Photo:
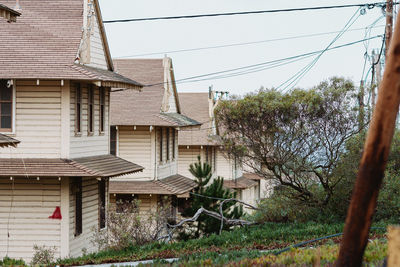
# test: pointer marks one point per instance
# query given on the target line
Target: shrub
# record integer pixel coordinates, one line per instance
(128, 226)
(43, 256)
(8, 262)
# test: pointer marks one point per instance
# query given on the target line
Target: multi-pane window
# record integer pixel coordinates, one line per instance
(102, 204)
(167, 133)
(126, 203)
(102, 109)
(173, 144)
(113, 140)
(161, 144)
(78, 109)
(78, 205)
(6, 106)
(90, 109)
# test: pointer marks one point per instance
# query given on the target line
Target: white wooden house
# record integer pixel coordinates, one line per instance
(145, 128)
(203, 142)
(55, 80)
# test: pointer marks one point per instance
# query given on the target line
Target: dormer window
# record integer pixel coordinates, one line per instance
(6, 105)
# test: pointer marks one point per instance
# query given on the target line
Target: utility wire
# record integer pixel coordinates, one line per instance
(369, 6)
(242, 44)
(263, 64)
(295, 79)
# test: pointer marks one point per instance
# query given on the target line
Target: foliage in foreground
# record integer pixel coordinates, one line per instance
(8, 262)
(262, 237)
(205, 224)
(325, 255)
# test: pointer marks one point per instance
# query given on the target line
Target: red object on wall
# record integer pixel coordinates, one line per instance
(56, 214)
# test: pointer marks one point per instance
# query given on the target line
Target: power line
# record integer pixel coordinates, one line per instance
(369, 6)
(242, 44)
(277, 62)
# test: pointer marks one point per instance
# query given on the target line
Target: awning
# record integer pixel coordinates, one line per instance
(98, 166)
(173, 185)
(107, 165)
(6, 141)
(240, 183)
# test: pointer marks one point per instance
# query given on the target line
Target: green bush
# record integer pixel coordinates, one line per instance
(280, 208)
(8, 262)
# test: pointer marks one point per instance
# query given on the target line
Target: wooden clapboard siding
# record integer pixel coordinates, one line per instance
(166, 167)
(224, 165)
(89, 145)
(26, 220)
(147, 203)
(97, 55)
(37, 120)
(135, 146)
(187, 157)
(90, 217)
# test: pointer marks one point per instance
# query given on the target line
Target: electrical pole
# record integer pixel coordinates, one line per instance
(361, 106)
(389, 24)
(373, 162)
(373, 94)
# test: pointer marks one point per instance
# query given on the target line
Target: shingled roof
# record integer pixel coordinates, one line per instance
(8, 13)
(240, 183)
(98, 166)
(173, 185)
(45, 42)
(6, 141)
(196, 106)
(144, 108)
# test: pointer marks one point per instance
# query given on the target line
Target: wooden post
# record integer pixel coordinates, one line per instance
(373, 94)
(393, 246)
(373, 161)
(361, 106)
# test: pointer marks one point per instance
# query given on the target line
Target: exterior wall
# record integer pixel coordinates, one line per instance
(166, 167)
(24, 214)
(85, 145)
(37, 120)
(90, 217)
(97, 55)
(136, 146)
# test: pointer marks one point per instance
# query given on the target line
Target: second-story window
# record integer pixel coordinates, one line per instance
(173, 144)
(161, 144)
(167, 137)
(6, 106)
(78, 109)
(102, 109)
(113, 140)
(90, 110)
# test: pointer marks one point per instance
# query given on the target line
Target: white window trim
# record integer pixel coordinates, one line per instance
(14, 112)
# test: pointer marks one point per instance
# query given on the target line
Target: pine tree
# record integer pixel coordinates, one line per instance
(203, 198)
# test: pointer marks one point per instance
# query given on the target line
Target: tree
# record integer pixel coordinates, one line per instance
(293, 139)
(207, 196)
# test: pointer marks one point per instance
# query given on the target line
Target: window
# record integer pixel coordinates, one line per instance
(78, 205)
(78, 109)
(113, 140)
(173, 144)
(125, 203)
(102, 204)
(161, 144)
(6, 106)
(90, 110)
(102, 109)
(167, 132)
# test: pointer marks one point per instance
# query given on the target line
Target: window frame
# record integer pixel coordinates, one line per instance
(167, 135)
(161, 144)
(90, 111)
(102, 110)
(173, 143)
(78, 206)
(102, 203)
(114, 142)
(13, 110)
(78, 110)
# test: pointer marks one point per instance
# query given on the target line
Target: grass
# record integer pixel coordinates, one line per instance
(238, 242)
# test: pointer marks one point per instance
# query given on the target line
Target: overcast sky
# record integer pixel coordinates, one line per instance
(135, 38)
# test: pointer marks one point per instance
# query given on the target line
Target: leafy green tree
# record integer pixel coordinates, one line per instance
(208, 195)
(294, 139)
